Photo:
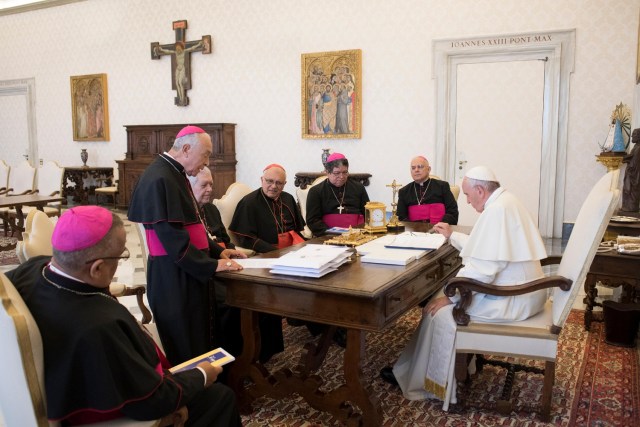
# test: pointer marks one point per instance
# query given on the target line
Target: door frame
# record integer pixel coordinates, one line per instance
(557, 49)
(27, 88)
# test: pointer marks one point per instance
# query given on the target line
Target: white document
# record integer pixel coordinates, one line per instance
(391, 256)
(255, 262)
(313, 257)
(415, 240)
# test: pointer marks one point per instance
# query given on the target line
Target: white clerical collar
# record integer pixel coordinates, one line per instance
(492, 198)
(169, 155)
(62, 273)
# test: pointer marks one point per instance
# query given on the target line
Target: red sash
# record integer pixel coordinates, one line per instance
(288, 239)
(343, 220)
(432, 212)
(197, 236)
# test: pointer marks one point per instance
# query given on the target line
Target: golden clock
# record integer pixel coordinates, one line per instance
(375, 217)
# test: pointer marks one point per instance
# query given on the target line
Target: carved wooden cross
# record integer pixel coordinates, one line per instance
(180, 52)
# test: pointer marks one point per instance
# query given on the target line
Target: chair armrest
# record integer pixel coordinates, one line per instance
(121, 290)
(551, 260)
(466, 287)
(177, 419)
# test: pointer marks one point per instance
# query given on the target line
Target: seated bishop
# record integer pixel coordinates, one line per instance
(426, 199)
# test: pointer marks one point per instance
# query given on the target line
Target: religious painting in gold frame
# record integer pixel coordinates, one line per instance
(332, 94)
(90, 107)
(638, 57)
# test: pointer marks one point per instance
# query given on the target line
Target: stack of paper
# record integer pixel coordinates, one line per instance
(311, 261)
(414, 240)
(378, 252)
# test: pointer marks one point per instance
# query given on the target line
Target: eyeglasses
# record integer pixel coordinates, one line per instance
(125, 256)
(418, 167)
(343, 173)
(271, 182)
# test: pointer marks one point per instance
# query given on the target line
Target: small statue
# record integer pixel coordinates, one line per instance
(631, 183)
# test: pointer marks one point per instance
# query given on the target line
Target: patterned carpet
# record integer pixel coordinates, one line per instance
(8, 257)
(596, 385)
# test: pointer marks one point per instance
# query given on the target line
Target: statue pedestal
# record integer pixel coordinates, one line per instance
(611, 160)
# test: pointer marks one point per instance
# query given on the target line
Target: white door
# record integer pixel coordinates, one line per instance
(499, 124)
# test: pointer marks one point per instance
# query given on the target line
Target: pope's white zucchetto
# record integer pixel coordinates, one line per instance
(481, 173)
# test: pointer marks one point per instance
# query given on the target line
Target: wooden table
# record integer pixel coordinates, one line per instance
(73, 181)
(18, 202)
(612, 270)
(359, 297)
(303, 179)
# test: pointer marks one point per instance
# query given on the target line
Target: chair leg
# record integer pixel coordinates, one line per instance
(547, 390)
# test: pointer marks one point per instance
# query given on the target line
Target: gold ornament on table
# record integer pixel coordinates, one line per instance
(394, 224)
(354, 237)
(375, 217)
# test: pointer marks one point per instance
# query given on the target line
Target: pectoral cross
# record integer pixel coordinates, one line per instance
(340, 208)
(180, 52)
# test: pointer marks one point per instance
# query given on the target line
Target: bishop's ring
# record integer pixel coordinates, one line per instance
(229, 264)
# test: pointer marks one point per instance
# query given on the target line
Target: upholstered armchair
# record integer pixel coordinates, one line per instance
(537, 337)
(302, 203)
(227, 206)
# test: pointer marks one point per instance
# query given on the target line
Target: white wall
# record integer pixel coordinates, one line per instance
(253, 76)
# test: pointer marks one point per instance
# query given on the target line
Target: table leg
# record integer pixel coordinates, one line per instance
(286, 382)
(589, 300)
(247, 362)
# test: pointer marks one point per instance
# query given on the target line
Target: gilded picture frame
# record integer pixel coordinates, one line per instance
(638, 57)
(90, 107)
(331, 95)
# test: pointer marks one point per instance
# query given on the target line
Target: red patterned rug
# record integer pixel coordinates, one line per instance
(596, 385)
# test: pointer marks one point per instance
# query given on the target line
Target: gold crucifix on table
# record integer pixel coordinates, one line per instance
(394, 224)
(180, 52)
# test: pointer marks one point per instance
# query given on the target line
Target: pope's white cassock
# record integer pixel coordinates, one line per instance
(504, 248)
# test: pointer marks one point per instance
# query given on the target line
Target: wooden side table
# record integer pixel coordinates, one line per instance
(612, 270)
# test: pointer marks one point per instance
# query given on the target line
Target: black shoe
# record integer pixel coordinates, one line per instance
(340, 337)
(386, 374)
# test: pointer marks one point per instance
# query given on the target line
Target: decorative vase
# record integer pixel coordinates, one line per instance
(325, 156)
(84, 156)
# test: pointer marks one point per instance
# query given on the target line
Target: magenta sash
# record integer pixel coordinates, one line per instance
(432, 212)
(197, 236)
(343, 220)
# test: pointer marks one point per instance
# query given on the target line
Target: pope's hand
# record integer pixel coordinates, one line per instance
(443, 228)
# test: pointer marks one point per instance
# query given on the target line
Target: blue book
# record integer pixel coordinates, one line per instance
(217, 357)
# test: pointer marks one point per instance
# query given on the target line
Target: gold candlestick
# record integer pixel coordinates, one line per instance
(394, 224)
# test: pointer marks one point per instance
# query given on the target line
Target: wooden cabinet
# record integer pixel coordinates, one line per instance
(145, 142)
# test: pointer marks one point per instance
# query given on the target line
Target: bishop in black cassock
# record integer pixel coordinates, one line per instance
(264, 220)
(426, 199)
(337, 201)
(180, 260)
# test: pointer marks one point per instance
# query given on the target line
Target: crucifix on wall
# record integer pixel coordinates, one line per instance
(180, 52)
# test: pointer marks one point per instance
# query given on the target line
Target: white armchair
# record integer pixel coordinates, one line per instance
(302, 203)
(227, 206)
(537, 337)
